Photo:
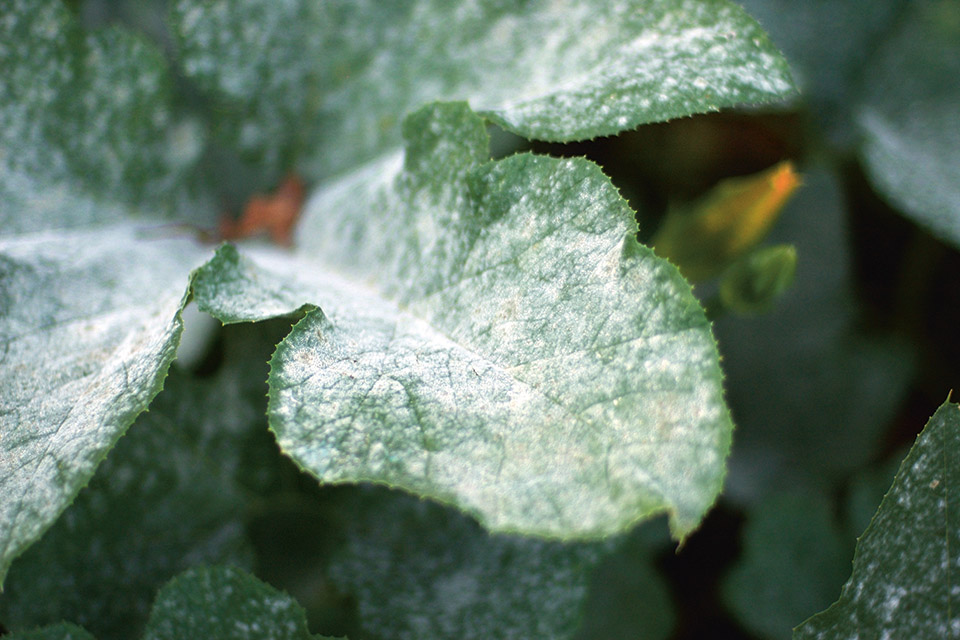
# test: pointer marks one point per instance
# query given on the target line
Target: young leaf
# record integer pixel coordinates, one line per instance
(904, 582)
(491, 336)
(547, 70)
(908, 119)
(755, 282)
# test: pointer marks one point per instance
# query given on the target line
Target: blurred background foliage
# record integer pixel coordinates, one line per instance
(827, 388)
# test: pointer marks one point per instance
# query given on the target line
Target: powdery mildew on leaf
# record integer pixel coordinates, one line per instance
(545, 69)
(89, 325)
(908, 120)
(223, 602)
(153, 509)
(492, 336)
(86, 123)
(904, 582)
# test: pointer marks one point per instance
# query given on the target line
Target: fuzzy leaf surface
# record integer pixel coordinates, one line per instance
(347, 72)
(491, 336)
(905, 568)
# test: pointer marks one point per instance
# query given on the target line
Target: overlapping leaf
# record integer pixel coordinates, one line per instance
(89, 318)
(87, 124)
(905, 568)
(434, 573)
(218, 603)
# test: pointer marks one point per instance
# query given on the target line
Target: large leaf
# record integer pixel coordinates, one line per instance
(89, 324)
(345, 73)
(904, 572)
(491, 336)
(90, 318)
(908, 118)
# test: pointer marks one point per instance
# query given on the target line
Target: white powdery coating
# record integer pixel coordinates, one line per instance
(539, 369)
(344, 73)
(224, 602)
(907, 561)
(85, 123)
(92, 324)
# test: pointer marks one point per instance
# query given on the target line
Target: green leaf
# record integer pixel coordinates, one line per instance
(87, 126)
(224, 603)
(492, 337)
(60, 631)
(908, 118)
(903, 581)
(794, 555)
(344, 74)
(434, 573)
(90, 323)
(162, 501)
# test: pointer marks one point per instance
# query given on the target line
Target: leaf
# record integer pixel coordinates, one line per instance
(908, 118)
(903, 580)
(793, 557)
(86, 123)
(492, 337)
(434, 573)
(153, 509)
(555, 71)
(224, 603)
(754, 283)
(89, 326)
